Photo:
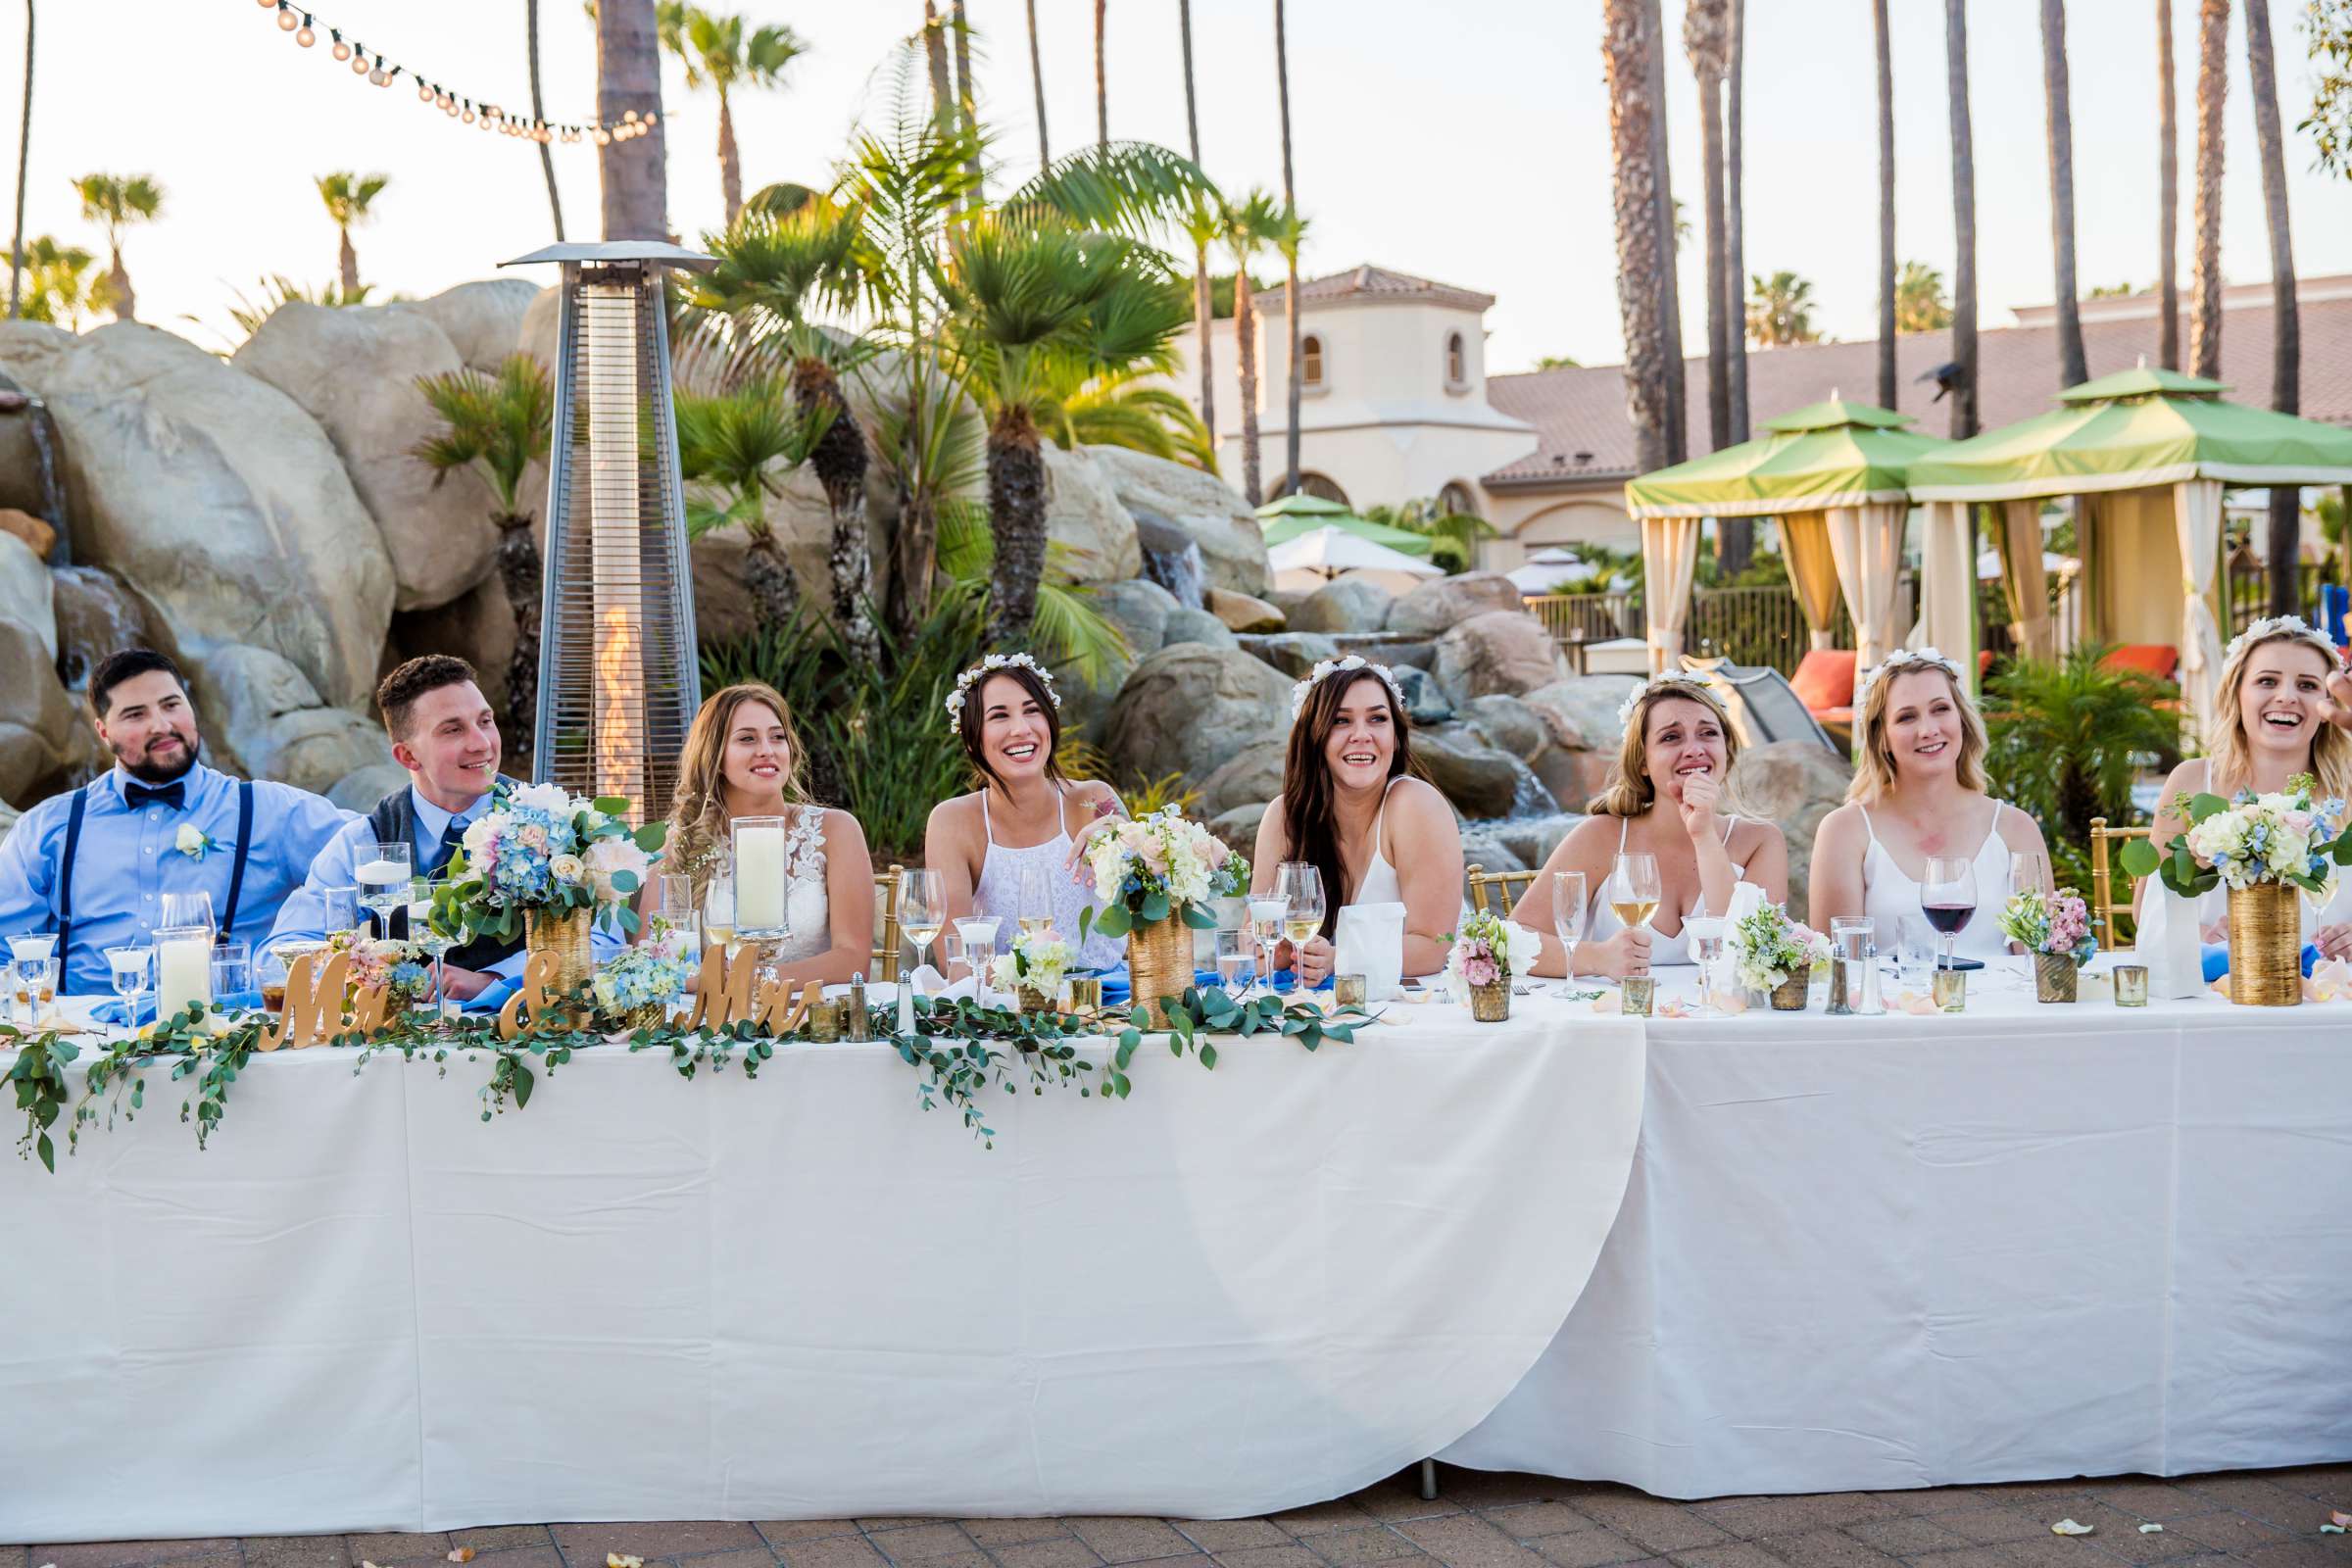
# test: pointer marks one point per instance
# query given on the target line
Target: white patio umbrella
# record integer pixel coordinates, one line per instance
(1313, 558)
(1545, 568)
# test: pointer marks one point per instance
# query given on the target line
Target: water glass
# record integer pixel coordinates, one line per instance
(1851, 937)
(977, 933)
(232, 969)
(340, 911)
(1568, 920)
(2028, 872)
(1915, 949)
(1235, 961)
(186, 909)
(1705, 932)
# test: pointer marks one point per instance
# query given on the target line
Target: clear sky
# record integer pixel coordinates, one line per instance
(1466, 140)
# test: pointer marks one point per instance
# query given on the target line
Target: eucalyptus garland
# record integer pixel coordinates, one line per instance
(958, 1051)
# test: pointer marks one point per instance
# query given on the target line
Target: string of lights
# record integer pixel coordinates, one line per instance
(379, 71)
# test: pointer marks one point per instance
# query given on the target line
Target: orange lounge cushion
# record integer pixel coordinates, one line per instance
(1825, 681)
(2159, 660)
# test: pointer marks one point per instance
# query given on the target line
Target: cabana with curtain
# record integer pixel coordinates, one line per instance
(2149, 451)
(1837, 476)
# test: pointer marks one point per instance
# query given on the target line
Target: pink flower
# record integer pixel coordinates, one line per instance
(1481, 972)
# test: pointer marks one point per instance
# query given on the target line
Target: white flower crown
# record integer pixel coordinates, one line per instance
(1348, 665)
(989, 666)
(1906, 659)
(2295, 625)
(1672, 677)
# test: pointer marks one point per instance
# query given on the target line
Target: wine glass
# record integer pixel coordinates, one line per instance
(1705, 931)
(186, 909)
(1036, 906)
(718, 914)
(35, 960)
(1568, 921)
(922, 912)
(1948, 897)
(1633, 887)
(1299, 885)
(134, 971)
(1235, 961)
(2028, 872)
(384, 879)
(1265, 928)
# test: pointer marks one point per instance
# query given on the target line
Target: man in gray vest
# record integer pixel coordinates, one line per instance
(444, 733)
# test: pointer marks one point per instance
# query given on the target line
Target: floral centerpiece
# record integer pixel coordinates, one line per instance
(398, 969)
(1771, 953)
(2266, 850)
(1032, 970)
(638, 989)
(1479, 962)
(1155, 876)
(552, 863)
(2055, 928)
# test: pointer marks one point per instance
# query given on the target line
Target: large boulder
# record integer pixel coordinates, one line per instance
(355, 371)
(1344, 604)
(97, 615)
(1294, 653)
(478, 627)
(1233, 543)
(1250, 776)
(1582, 710)
(1486, 848)
(1083, 519)
(1140, 609)
(482, 319)
(803, 524)
(361, 791)
(1504, 651)
(1197, 626)
(1189, 708)
(1237, 829)
(1170, 556)
(215, 498)
(27, 597)
(44, 740)
(262, 713)
(35, 533)
(542, 328)
(1533, 838)
(1424, 702)
(1508, 725)
(1794, 784)
(1478, 779)
(1243, 611)
(1382, 649)
(1443, 603)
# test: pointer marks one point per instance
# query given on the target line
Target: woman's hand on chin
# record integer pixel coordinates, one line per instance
(1700, 795)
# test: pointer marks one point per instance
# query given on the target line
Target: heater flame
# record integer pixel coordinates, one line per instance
(620, 703)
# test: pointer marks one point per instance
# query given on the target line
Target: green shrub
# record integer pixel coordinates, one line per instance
(2069, 738)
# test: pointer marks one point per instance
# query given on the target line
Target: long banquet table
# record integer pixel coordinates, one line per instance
(1881, 1252)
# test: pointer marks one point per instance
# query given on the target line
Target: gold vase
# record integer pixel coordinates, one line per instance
(1028, 999)
(563, 933)
(2265, 946)
(1491, 1004)
(1791, 994)
(629, 1020)
(1160, 964)
(2054, 977)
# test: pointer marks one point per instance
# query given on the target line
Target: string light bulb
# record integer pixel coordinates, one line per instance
(425, 94)
(379, 78)
(342, 50)
(468, 116)
(287, 21)
(359, 65)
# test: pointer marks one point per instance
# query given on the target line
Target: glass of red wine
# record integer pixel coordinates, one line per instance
(1948, 897)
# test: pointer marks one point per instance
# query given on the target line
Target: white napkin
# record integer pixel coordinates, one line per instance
(2169, 942)
(1370, 940)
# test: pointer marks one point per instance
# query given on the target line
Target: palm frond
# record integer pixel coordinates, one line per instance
(1128, 187)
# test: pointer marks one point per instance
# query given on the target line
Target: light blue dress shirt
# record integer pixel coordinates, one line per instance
(337, 866)
(127, 860)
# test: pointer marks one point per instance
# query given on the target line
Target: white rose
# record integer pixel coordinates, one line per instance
(608, 858)
(189, 839)
(568, 868)
(549, 798)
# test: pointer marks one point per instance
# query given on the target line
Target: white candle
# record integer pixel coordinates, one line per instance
(759, 878)
(382, 871)
(185, 974)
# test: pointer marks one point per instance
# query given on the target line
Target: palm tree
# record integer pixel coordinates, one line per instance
(1703, 39)
(2069, 737)
(1037, 84)
(2286, 330)
(967, 98)
(1293, 230)
(1029, 295)
(2073, 369)
(1199, 225)
(737, 447)
(1735, 259)
(547, 155)
(1101, 85)
(1669, 222)
(1780, 311)
(2213, 87)
(16, 244)
(1919, 302)
(1247, 229)
(722, 55)
(348, 197)
(114, 202)
(60, 289)
(498, 427)
(1886, 284)
(2168, 197)
(1963, 219)
(634, 171)
(1627, 45)
(934, 56)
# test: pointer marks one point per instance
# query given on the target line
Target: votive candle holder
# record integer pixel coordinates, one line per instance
(1350, 990)
(1639, 993)
(1086, 995)
(1951, 990)
(2130, 984)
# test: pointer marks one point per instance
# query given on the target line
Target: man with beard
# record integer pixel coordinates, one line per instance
(444, 732)
(93, 866)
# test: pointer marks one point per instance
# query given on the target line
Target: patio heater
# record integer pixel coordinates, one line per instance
(617, 678)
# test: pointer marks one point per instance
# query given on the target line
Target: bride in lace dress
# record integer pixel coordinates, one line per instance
(744, 758)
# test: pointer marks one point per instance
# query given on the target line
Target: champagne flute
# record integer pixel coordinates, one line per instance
(718, 914)
(922, 912)
(1036, 906)
(1633, 887)
(1568, 921)
(1299, 885)
(1948, 897)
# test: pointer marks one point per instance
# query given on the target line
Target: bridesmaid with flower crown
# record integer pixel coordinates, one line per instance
(1010, 846)
(1353, 805)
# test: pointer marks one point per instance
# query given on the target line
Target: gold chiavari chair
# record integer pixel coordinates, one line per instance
(2105, 904)
(886, 894)
(1486, 886)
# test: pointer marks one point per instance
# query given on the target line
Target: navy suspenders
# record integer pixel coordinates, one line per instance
(236, 873)
(65, 868)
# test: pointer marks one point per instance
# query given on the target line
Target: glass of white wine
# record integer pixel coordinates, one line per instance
(1633, 887)
(718, 914)
(1568, 921)
(1299, 885)
(1036, 916)
(922, 912)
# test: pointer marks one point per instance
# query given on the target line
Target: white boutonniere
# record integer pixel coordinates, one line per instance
(194, 842)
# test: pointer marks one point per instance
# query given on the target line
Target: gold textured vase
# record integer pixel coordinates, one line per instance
(2265, 946)
(1791, 994)
(1491, 1004)
(563, 933)
(1160, 964)
(2054, 977)
(1029, 998)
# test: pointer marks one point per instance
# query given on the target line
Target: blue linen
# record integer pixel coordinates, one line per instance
(2336, 601)
(492, 997)
(127, 860)
(2215, 956)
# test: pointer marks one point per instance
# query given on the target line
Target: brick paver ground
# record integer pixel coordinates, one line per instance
(2271, 1518)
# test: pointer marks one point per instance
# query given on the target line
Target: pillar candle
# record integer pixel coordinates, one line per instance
(759, 878)
(184, 974)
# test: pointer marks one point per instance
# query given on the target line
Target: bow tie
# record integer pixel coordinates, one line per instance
(173, 795)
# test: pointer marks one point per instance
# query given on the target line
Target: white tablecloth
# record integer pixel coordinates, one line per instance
(2022, 1242)
(1237, 1291)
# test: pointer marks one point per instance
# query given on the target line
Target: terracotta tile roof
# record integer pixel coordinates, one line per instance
(1378, 282)
(1581, 426)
